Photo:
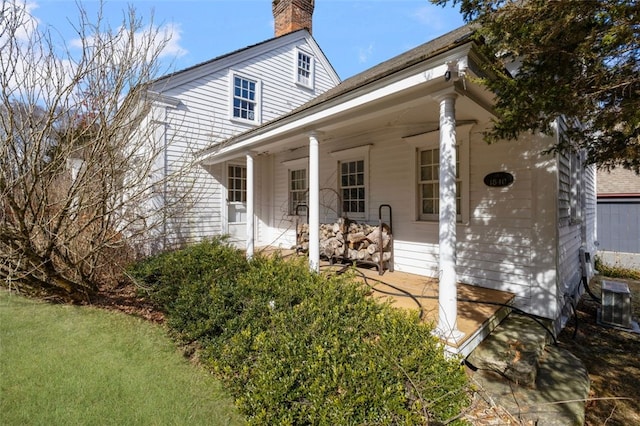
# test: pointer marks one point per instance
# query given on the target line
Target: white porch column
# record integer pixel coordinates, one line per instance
(250, 207)
(314, 204)
(448, 308)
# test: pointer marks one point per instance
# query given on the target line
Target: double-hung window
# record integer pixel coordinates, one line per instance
(427, 174)
(429, 183)
(297, 190)
(353, 179)
(352, 187)
(304, 69)
(245, 99)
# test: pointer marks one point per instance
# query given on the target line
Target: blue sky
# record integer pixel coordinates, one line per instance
(354, 34)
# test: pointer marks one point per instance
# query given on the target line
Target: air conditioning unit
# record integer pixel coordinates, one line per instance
(616, 304)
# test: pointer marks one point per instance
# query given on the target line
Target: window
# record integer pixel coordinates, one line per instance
(237, 189)
(353, 178)
(304, 69)
(245, 99)
(297, 189)
(570, 197)
(576, 187)
(429, 183)
(426, 169)
(352, 187)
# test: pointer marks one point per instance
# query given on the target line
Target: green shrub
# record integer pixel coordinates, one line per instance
(295, 347)
(190, 284)
(308, 349)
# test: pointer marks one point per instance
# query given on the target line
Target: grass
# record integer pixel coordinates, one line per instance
(66, 364)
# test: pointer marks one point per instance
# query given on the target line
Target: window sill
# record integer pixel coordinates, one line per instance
(309, 87)
(244, 121)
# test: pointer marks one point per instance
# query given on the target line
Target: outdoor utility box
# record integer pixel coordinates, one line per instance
(616, 304)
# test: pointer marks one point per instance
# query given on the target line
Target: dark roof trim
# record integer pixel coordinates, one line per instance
(226, 55)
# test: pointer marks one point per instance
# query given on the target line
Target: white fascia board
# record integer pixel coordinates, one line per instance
(323, 112)
(232, 59)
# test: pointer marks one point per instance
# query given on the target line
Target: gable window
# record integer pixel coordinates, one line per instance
(237, 188)
(304, 69)
(245, 99)
(297, 190)
(429, 183)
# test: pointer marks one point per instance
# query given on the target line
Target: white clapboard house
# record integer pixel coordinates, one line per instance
(205, 104)
(406, 137)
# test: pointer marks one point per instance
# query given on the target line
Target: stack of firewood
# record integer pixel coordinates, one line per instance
(349, 240)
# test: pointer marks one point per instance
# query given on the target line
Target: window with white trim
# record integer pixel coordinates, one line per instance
(304, 69)
(429, 183)
(237, 181)
(298, 189)
(426, 169)
(352, 187)
(353, 180)
(245, 102)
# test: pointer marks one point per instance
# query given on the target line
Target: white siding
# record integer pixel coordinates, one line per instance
(202, 119)
(574, 234)
(509, 242)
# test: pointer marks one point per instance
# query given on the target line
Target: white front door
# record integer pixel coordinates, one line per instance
(237, 204)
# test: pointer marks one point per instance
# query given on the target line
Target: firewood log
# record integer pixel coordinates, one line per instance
(385, 256)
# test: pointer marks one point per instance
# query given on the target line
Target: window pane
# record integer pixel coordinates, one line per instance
(427, 206)
(425, 173)
(425, 157)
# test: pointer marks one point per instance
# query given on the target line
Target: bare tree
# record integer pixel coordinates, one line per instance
(81, 185)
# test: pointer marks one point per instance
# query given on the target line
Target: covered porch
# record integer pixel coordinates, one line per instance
(479, 312)
(369, 140)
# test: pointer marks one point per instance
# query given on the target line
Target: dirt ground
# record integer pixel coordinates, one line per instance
(612, 358)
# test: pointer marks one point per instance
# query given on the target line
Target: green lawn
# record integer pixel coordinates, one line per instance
(69, 365)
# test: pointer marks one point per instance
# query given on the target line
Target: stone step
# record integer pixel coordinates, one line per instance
(537, 383)
(513, 349)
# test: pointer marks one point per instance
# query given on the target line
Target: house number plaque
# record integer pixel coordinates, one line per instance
(498, 179)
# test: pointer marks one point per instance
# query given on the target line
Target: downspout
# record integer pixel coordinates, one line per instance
(165, 172)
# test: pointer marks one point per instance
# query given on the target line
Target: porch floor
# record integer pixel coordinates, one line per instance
(409, 291)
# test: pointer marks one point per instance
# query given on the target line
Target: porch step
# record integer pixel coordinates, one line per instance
(535, 382)
(513, 350)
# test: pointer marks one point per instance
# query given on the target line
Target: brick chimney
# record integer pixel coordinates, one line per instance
(292, 15)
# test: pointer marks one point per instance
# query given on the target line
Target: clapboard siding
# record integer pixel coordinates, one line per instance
(202, 119)
(508, 241)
